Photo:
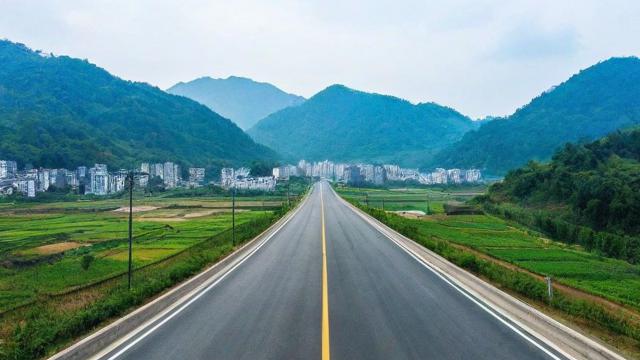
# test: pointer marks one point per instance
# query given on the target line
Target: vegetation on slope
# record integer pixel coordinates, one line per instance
(342, 124)
(591, 104)
(588, 194)
(56, 111)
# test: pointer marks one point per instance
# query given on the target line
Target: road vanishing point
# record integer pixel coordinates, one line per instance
(327, 283)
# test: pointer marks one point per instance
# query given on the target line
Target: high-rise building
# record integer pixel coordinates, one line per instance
(145, 168)
(353, 176)
(227, 177)
(379, 175)
(71, 178)
(43, 180)
(158, 170)
(169, 175)
(177, 174)
(26, 186)
(98, 180)
(196, 176)
(142, 180)
(8, 169)
(118, 181)
(453, 176)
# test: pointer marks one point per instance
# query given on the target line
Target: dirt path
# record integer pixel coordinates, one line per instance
(125, 209)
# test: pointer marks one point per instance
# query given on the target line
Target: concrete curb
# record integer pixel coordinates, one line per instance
(140, 317)
(560, 337)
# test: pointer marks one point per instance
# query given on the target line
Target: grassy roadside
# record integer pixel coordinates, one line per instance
(469, 242)
(55, 319)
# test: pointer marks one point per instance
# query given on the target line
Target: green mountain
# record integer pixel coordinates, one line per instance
(57, 111)
(587, 194)
(242, 100)
(589, 105)
(342, 124)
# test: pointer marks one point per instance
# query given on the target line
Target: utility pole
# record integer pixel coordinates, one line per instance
(130, 181)
(428, 207)
(366, 198)
(382, 204)
(549, 287)
(288, 199)
(233, 213)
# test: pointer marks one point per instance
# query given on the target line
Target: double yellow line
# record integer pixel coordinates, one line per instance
(326, 354)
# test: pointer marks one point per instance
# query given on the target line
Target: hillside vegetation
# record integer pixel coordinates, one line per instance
(56, 111)
(342, 124)
(598, 100)
(587, 194)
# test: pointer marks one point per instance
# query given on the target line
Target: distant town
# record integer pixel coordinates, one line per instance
(99, 181)
(359, 174)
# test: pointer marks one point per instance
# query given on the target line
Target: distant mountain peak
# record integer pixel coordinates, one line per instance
(241, 99)
(345, 124)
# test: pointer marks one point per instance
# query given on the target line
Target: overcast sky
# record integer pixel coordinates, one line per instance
(480, 57)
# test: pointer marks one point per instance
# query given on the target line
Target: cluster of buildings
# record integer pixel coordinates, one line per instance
(171, 175)
(96, 180)
(376, 174)
(241, 179)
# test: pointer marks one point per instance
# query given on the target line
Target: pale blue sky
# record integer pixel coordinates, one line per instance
(483, 57)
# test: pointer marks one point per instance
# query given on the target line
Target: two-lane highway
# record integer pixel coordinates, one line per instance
(329, 285)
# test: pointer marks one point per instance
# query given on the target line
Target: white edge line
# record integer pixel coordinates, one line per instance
(190, 295)
(605, 351)
(485, 307)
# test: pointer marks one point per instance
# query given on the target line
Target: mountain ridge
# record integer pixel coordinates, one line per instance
(58, 111)
(595, 101)
(345, 124)
(241, 99)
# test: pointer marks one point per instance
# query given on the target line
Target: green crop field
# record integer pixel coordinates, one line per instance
(427, 200)
(42, 245)
(612, 279)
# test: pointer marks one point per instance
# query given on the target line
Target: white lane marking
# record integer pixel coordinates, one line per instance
(196, 297)
(482, 306)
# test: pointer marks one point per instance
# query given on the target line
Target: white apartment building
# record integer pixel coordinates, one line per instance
(8, 169)
(196, 176)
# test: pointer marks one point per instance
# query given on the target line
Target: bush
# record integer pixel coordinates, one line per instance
(85, 261)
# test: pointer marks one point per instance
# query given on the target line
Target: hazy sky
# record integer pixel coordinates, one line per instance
(480, 57)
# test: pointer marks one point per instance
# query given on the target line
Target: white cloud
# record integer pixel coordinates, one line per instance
(481, 57)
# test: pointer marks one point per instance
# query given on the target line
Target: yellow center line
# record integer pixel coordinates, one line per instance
(325, 291)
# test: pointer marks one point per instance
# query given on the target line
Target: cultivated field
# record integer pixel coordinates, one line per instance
(615, 280)
(43, 245)
(427, 200)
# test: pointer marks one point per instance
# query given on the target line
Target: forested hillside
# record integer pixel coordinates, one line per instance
(598, 100)
(57, 111)
(343, 124)
(587, 194)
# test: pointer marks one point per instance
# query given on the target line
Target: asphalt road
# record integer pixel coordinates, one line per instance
(374, 301)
